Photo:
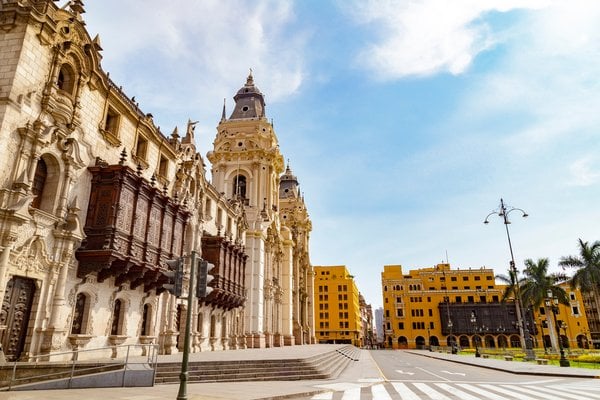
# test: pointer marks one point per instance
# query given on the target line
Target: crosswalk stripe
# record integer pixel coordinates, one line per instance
(533, 392)
(380, 393)
(577, 392)
(431, 392)
(488, 395)
(508, 392)
(462, 391)
(404, 392)
(563, 393)
(352, 394)
(457, 392)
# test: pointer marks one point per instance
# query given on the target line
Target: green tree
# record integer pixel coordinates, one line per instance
(538, 282)
(511, 291)
(535, 287)
(587, 275)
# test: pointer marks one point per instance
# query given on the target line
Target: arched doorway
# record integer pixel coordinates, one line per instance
(502, 342)
(489, 342)
(464, 341)
(402, 342)
(515, 341)
(582, 342)
(420, 342)
(450, 340)
(434, 341)
(15, 314)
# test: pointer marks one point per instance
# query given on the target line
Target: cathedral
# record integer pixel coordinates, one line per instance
(95, 200)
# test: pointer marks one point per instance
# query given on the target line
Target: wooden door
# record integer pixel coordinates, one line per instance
(15, 313)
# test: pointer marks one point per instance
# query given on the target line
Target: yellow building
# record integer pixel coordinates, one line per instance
(438, 306)
(337, 310)
(570, 320)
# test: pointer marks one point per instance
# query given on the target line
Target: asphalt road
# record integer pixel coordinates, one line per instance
(408, 376)
(403, 366)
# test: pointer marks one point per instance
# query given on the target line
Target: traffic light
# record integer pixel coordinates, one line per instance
(175, 275)
(204, 278)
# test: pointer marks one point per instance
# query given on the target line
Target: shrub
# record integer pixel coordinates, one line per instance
(591, 357)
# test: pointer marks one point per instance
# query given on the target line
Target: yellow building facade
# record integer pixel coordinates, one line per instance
(439, 306)
(337, 309)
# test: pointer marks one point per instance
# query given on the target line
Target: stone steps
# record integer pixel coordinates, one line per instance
(322, 366)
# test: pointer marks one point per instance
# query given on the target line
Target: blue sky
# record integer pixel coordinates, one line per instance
(405, 121)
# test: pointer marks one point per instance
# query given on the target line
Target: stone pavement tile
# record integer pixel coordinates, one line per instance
(196, 391)
(364, 369)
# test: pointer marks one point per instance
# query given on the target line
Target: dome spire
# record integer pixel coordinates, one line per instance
(249, 101)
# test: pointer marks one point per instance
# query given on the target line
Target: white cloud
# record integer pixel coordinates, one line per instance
(547, 80)
(425, 37)
(584, 173)
(211, 43)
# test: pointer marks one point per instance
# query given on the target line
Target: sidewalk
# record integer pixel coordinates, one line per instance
(363, 370)
(515, 367)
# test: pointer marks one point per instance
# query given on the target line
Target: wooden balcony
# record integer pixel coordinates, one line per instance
(230, 269)
(131, 228)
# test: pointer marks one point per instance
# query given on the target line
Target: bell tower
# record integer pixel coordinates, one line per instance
(246, 165)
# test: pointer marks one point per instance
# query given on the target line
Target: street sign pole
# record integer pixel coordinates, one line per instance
(183, 377)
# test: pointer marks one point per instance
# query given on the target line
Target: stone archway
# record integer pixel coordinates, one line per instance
(402, 342)
(515, 341)
(502, 342)
(420, 342)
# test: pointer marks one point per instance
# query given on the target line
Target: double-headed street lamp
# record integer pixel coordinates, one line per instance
(552, 304)
(452, 343)
(503, 212)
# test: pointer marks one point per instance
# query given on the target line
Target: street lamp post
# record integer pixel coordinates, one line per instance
(552, 304)
(452, 343)
(475, 336)
(429, 339)
(564, 326)
(503, 212)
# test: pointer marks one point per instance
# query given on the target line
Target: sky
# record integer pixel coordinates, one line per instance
(405, 121)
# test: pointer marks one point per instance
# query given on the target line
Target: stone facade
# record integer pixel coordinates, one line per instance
(246, 165)
(94, 199)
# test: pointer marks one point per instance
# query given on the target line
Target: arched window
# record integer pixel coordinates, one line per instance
(78, 326)
(200, 322)
(39, 181)
(66, 79)
(224, 327)
(146, 318)
(239, 186)
(46, 184)
(213, 326)
(116, 327)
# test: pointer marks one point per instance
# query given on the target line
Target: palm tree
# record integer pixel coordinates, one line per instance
(587, 276)
(538, 282)
(511, 291)
(535, 287)
(512, 285)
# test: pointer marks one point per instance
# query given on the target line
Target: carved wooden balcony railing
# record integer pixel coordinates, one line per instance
(131, 229)
(230, 269)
